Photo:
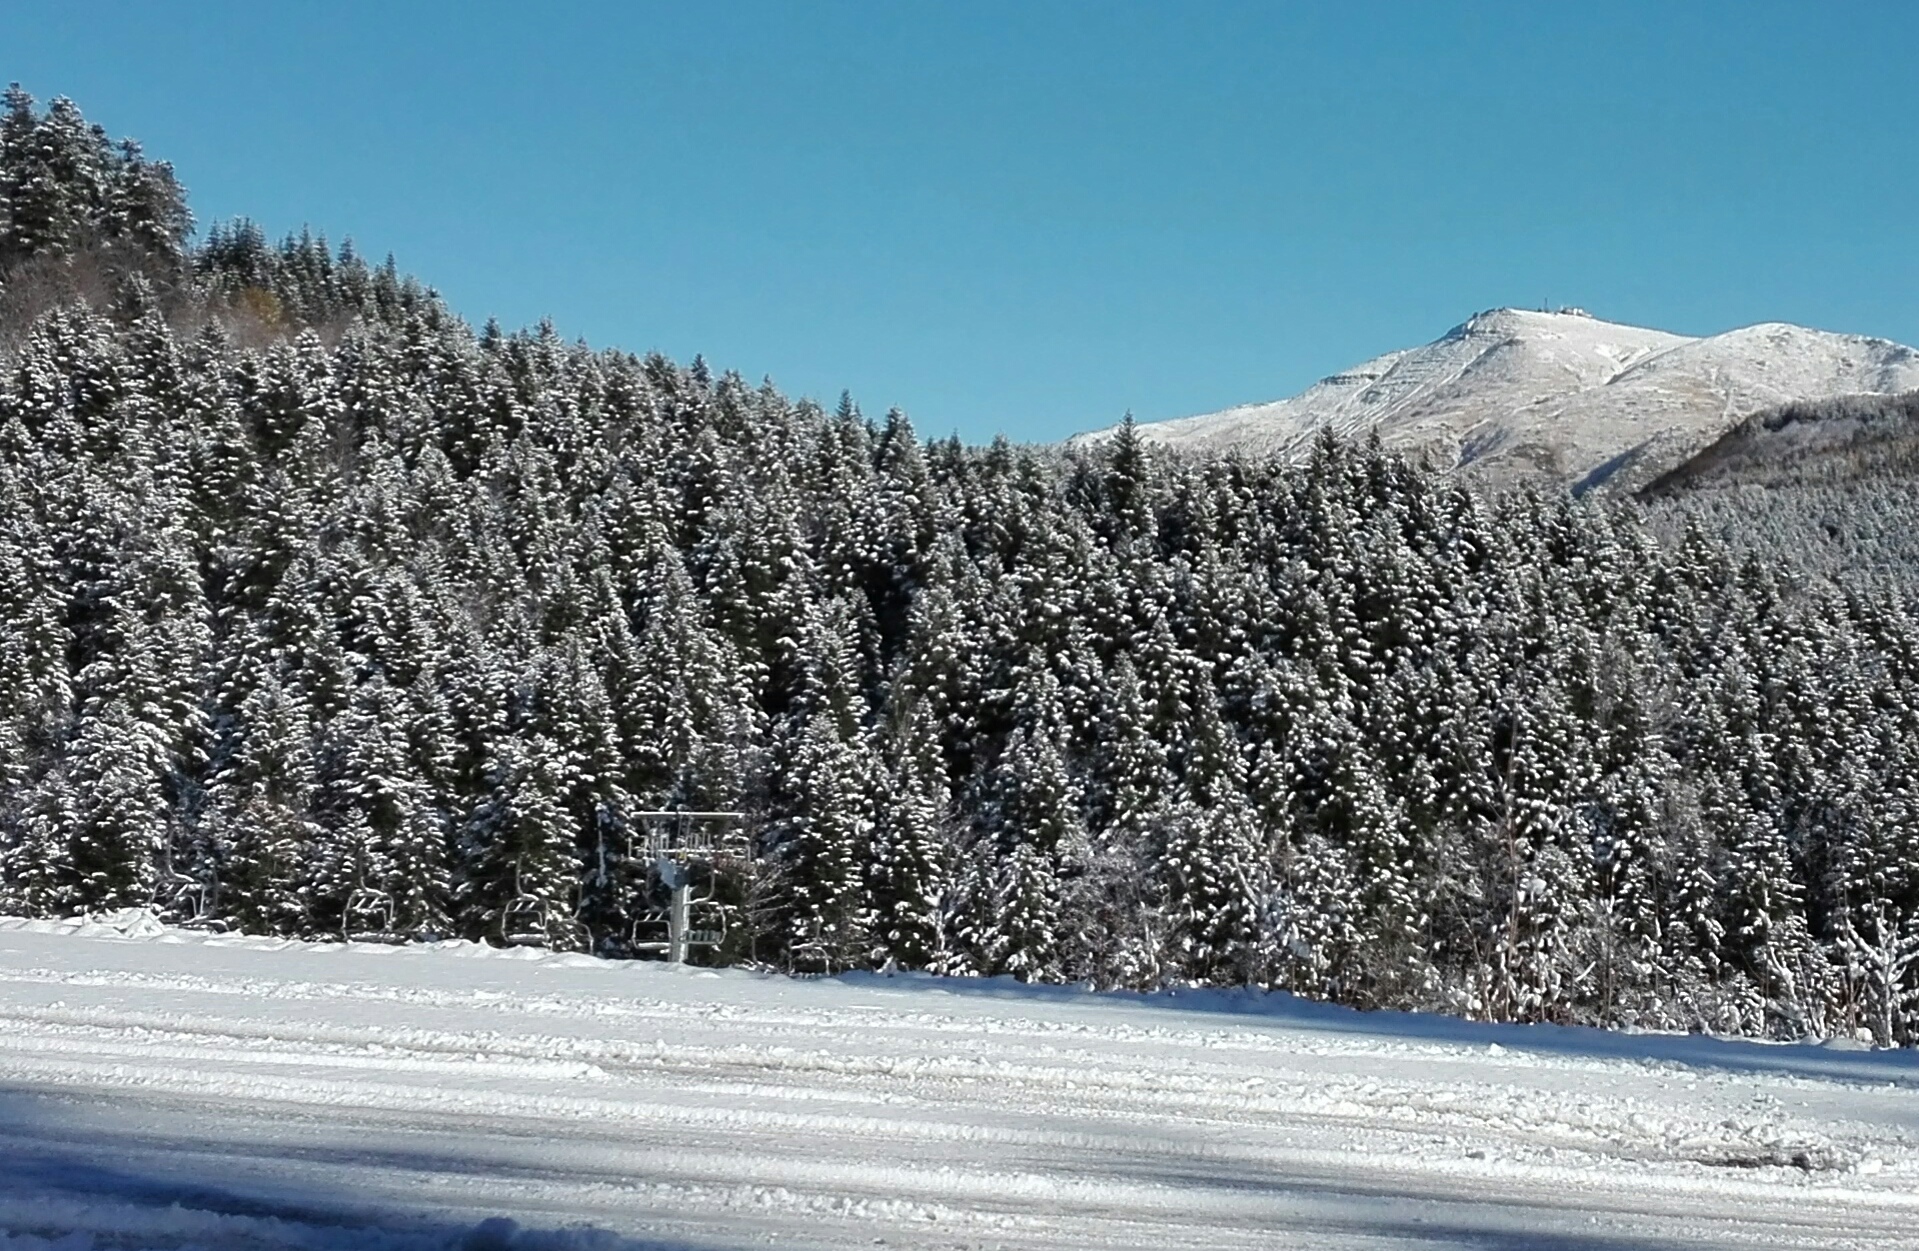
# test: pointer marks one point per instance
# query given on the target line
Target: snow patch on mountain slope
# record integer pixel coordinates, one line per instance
(166, 1089)
(1515, 393)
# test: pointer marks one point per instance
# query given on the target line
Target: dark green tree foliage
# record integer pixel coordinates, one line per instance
(85, 218)
(910, 875)
(397, 634)
(67, 190)
(370, 623)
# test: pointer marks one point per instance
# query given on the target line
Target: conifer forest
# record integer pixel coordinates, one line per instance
(321, 609)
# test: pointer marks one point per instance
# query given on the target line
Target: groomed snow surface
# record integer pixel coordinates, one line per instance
(173, 1090)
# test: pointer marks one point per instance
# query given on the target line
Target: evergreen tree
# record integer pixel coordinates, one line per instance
(340, 617)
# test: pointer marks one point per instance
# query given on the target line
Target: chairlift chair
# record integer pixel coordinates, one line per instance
(523, 922)
(526, 920)
(704, 906)
(523, 918)
(190, 903)
(650, 930)
(368, 918)
(707, 922)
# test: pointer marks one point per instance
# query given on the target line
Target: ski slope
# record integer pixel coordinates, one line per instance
(165, 1089)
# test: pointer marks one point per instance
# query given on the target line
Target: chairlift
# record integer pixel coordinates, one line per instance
(651, 930)
(368, 918)
(190, 903)
(694, 918)
(523, 922)
(675, 844)
(529, 921)
(707, 922)
(706, 917)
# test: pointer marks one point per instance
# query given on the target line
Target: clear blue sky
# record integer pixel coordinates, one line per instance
(1031, 217)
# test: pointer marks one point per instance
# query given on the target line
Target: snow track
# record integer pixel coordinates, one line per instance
(168, 1090)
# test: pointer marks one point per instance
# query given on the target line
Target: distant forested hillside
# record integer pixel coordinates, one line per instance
(1826, 486)
(311, 595)
(1837, 442)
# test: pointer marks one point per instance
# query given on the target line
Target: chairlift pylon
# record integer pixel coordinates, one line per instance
(676, 842)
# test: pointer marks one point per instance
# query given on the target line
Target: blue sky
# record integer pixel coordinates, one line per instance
(1032, 217)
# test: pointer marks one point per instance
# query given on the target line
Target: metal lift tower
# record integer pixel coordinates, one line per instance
(674, 843)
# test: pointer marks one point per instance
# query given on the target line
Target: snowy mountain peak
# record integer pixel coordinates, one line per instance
(1518, 321)
(1523, 393)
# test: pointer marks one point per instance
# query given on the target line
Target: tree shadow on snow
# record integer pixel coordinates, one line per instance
(1211, 1009)
(1324, 1206)
(75, 1176)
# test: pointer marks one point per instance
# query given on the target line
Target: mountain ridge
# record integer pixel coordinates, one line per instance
(1515, 394)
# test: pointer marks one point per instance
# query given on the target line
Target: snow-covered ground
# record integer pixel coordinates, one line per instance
(163, 1089)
